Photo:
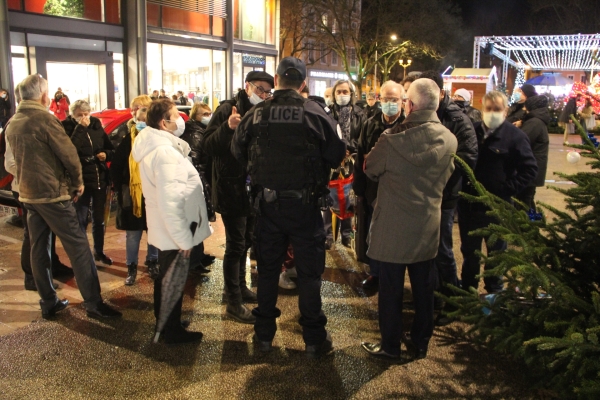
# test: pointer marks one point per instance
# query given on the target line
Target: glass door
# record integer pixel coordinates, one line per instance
(78, 82)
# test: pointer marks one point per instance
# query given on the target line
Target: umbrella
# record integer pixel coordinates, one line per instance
(172, 287)
(550, 79)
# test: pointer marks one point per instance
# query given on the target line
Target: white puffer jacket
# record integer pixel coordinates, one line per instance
(172, 191)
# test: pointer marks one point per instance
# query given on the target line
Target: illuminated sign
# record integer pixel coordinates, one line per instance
(253, 60)
(328, 74)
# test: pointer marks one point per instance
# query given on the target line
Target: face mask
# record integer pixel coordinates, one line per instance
(3, 95)
(390, 109)
(329, 102)
(140, 125)
(255, 99)
(493, 119)
(180, 127)
(517, 97)
(205, 120)
(342, 100)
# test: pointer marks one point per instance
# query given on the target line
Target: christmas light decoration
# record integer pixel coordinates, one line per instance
(519, 80)
(557, 52)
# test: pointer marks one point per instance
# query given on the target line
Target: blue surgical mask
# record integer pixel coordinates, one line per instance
(516, 97)
(390, 109)
(140, 125)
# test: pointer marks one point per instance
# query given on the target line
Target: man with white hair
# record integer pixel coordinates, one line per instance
(50, 179)
(462, 98)
(412, 163)
(390, 115)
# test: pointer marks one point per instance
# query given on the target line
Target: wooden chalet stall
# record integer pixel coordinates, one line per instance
(478, 81)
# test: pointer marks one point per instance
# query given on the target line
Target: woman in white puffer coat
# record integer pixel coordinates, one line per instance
(174, 200)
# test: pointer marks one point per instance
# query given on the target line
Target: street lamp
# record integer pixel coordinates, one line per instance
(408, 62)
(393, 38)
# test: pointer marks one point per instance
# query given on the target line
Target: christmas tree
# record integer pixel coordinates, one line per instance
(549, 313)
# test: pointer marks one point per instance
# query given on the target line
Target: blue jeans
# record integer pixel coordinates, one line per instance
(444, 261)
(132, 248)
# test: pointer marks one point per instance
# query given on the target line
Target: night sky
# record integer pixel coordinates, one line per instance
(499, 17)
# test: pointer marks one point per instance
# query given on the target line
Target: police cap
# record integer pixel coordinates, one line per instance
(292, 63)
(260, 76)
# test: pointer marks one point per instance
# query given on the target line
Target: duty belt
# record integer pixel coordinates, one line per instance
(271, 196)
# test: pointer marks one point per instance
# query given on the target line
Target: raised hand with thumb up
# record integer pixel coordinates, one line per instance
(234, 119)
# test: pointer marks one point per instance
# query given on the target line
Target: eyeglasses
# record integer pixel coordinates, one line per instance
(386, 100)
(260, 91)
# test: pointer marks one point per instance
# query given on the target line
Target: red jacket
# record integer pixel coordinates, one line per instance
(60, 109)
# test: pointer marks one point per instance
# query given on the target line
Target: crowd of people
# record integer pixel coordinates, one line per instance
(264, 161)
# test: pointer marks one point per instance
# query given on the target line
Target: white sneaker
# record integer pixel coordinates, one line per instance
(285, 282)
(292, 273)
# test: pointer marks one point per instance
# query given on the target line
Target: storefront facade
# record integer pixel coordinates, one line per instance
(319, 80)
(109, 51)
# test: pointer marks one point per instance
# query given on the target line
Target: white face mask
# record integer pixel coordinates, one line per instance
(329, 101)
(255, 99)
(205, 120)
(3, 95)
(342, 100)
(180, 127)
(493, 119)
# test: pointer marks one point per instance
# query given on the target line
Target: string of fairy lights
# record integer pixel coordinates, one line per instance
(558, 52)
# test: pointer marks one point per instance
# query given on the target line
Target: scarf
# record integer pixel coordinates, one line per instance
(344, 117)
(135, 180)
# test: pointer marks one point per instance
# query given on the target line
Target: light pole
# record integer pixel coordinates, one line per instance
(408, 62)
(393, 38)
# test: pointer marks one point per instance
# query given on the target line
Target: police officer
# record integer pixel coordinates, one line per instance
(289, 145)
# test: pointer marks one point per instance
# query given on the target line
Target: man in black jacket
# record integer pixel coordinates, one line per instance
(453, 118)
(229, 195)
(505, 167)
(95, 150)
(392, 96)
(535, 126)
(516, 111)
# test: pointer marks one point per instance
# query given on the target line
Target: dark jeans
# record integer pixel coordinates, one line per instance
(26, 246)
(290, 222)
(391, 293)
(60, 218)
(344, 225)
(238, 239)
(98, 199)
(527, 196)
(445, 264)
(165, 258)
(197, 255)
(468, 221)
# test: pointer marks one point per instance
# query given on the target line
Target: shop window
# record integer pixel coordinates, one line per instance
(14, 5)
(85, 9)
(182, 20)
(253, 21)
(153, 14)
(334, 58)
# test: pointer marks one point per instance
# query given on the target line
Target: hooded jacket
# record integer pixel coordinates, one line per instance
(89, 141)
(412, 167)
(535, 126)
(172, 191)
(454, 119)
(47, 164)
(228, 175)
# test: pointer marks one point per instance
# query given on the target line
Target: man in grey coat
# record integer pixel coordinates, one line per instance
(412, 163)
(49, 174)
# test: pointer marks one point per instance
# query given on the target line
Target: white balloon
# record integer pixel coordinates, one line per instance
(573, 157)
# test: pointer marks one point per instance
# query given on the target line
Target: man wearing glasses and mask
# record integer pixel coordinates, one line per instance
(229, 195)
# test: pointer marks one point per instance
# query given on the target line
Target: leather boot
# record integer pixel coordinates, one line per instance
(240, 313)
(131, 274)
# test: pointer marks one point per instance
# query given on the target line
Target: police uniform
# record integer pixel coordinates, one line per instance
(289, 145)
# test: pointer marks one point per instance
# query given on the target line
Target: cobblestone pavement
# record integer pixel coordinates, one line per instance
(74, 357)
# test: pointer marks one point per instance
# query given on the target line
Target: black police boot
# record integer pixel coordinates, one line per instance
(131, 274)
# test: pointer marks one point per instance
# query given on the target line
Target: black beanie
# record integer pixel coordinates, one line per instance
(528, 90)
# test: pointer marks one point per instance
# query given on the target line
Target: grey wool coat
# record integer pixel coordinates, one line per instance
(412, 163)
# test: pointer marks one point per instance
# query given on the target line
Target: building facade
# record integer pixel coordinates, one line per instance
(109, 51)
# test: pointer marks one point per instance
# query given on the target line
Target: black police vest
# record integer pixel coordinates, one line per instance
(284, 155)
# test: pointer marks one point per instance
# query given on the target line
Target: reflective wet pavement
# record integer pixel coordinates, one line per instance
(75, 357)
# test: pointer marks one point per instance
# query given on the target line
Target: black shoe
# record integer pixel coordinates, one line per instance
(376, 350)
(153, 269)
(248, 296)
(240, 313)
(347, 242)
(103, 310)
(59, 269)
(316, 351)
(200, 269)
(185, 323)
(59, 306)
(30, 284)
(371, 284)
(415, 352)
(131, 274)
(328, 244)
(103, 258)
(208, 260)
(263, 346)
(182, 337)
